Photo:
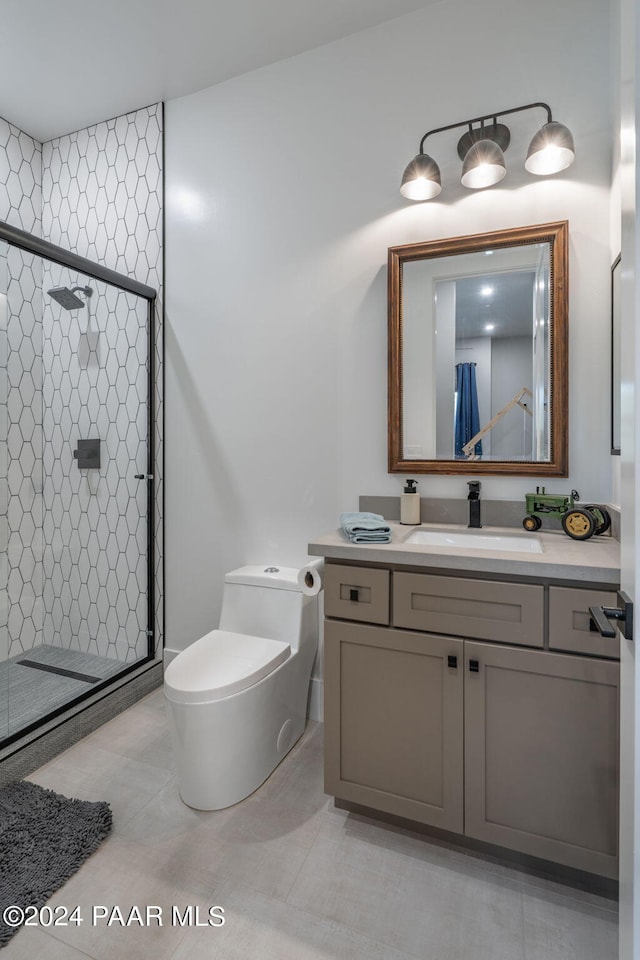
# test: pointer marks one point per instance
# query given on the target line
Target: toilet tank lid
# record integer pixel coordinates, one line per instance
(267, 575)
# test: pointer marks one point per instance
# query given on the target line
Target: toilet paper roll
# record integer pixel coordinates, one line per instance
(310, 577)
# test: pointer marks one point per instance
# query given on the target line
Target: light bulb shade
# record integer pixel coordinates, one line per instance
(421, 179)
(551, 150)
(483, 165)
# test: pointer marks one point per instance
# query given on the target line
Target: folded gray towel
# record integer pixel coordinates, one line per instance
(365, 527)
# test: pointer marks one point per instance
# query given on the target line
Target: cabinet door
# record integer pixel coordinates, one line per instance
(541, 754)
(394, 722)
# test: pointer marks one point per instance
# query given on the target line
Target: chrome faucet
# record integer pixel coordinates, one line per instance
(474, 503)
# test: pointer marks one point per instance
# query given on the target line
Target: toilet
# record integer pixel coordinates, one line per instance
(237, 697)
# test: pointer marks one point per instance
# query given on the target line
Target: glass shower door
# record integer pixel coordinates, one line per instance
(75, 486)
(4, 638)
(95, 457)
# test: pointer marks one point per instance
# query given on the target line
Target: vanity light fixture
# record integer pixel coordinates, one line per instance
(481, 150)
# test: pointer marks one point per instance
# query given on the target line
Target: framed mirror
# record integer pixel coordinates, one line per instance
(477, 349)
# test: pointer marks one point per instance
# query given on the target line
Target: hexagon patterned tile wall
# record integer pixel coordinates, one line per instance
(102, 199)
(20, 399)
(76, 570)
(95, 522)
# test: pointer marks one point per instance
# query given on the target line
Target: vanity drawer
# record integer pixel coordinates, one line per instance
(569, 622)
(356, 593)
(485, 609)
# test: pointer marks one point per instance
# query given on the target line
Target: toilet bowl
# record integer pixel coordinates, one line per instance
(237, 697)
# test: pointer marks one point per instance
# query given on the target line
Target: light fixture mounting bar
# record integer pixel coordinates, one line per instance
(489, 116)
(498, 132)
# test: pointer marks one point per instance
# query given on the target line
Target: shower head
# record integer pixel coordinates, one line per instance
(67, 298)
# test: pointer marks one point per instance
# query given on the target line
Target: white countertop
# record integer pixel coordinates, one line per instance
(596, 560)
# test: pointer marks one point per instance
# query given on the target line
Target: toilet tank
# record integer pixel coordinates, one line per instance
(266, 601)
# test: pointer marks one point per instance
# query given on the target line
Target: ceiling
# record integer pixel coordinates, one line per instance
(496, 304)
(69, 63)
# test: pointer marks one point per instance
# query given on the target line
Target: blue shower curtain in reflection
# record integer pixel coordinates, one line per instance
(467, 416)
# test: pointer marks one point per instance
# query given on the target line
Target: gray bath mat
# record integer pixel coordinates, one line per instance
(44, 839)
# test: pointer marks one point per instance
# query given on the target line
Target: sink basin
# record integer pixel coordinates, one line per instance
(476, 540)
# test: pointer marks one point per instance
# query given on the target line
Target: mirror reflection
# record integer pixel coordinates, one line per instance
(477, 350)
(476, 358)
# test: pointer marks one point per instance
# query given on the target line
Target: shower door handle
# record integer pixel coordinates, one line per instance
(143, 476)
(622, 614)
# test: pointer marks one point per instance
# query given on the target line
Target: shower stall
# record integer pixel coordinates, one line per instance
(77, 421)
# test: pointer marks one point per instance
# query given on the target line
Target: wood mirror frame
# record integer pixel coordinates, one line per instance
(556, 234)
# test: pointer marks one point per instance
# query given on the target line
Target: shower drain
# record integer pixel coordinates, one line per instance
(61, 671)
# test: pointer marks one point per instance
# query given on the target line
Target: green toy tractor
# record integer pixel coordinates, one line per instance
(579, 523)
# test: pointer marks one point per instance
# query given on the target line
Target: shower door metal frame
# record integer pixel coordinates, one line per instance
(50, 251)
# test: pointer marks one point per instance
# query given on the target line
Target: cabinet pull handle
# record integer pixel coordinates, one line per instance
(474, 666)
(353, 595)
(452, 662)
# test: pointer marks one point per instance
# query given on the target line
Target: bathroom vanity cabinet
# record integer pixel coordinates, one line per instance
(479, 705)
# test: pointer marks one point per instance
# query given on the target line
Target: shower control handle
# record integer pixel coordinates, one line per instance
(87, 454)
(143, 476)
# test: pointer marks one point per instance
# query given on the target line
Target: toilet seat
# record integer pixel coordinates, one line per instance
(220, 664)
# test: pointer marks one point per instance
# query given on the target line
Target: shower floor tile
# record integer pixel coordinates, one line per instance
(28, 693)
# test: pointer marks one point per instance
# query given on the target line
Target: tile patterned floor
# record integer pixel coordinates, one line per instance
(28, 694)
(298, 879)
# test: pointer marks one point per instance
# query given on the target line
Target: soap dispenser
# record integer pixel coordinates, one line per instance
(410, 504)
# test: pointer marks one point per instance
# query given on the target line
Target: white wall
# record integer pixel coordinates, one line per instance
(511, 370)
(282, 198)
(443, 370)
(616, 194)
(419, 393)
